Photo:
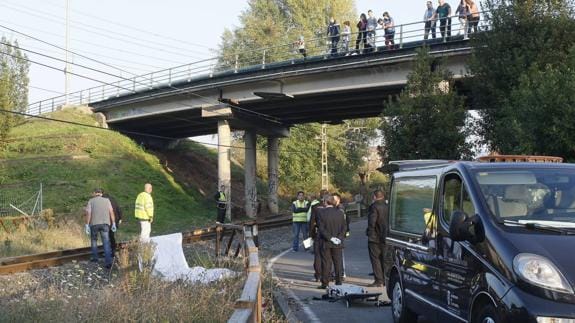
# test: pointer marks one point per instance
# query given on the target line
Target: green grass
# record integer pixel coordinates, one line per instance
(70, 161)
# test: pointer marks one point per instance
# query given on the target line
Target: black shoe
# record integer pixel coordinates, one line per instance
(375, 284)
(93, 260)
(322, 287)
(108, 266)
(338, 283)
(370, 274)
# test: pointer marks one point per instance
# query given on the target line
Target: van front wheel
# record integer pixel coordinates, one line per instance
(487, 314)
(399, 310)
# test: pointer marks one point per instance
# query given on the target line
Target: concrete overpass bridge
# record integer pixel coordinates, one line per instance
(262, 99)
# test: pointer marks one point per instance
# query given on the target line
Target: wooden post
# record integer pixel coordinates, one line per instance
(230, 242)
(218, 239)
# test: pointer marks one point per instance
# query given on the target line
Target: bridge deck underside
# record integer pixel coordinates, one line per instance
(331, 107)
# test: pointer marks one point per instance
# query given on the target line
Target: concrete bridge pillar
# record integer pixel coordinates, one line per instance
(250, 174)
(224, 169)
(273, 163)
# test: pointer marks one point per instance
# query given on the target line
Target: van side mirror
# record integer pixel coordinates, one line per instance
(465, 228)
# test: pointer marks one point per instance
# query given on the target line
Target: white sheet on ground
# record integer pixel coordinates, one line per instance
(171, 263)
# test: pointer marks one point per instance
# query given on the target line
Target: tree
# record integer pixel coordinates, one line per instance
(428, 119)
(13, 84)
(521, 57)
(274, 25)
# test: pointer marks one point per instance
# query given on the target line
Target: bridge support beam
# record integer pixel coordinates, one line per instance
(251, 197)
(224, 168)
(273, 163)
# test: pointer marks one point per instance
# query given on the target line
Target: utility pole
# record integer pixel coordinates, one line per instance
(67, 68)
(324, 174)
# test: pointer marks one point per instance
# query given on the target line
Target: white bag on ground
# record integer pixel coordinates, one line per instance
(171, 263)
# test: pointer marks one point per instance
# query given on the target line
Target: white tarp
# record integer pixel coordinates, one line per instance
(171, 263)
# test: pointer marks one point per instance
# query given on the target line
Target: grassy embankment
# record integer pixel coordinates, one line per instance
(70, 161)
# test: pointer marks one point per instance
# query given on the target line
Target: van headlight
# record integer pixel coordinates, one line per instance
(541, 272)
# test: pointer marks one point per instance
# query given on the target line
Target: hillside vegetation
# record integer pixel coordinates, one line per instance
(71, 160)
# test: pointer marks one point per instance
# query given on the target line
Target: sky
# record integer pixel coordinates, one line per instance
(132, 37)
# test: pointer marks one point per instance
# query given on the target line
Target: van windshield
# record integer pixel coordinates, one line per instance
(542, 196)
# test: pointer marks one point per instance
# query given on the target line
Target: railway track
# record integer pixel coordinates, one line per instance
(50, 259)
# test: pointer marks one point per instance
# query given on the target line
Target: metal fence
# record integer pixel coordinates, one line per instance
(20, 200)
(320, 48)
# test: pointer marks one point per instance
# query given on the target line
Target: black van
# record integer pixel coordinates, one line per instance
(481, 242)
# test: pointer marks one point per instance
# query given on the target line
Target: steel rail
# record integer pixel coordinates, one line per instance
(17, 264)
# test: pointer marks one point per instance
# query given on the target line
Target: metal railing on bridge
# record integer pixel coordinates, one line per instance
(320, 48)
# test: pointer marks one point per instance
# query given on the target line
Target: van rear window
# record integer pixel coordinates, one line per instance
(409, 196)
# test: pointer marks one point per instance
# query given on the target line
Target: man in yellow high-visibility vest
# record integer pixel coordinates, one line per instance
(299, 209)
(222, 204)
(144, 212)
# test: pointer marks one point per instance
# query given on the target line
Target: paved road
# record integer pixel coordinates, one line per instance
(295, 270)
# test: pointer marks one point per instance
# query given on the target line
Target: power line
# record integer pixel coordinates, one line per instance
(57, 69)
(142, 134)
(62, 60)
(75, 52)
(107, 33)
(147, 32)
(61, 48)
(120, 50)
(265, 116)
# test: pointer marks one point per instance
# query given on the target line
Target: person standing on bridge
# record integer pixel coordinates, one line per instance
(443, 13)
(429, 21)
(361, 32)
(331, 229)
(371, 26)
(389, 28)
(299, 210)
(473, 18)
(144, 212)
(221, 204)
(333, 34)
(300, 43)
(346, 36)
(377, 220)
(462, 13)
(99, 216)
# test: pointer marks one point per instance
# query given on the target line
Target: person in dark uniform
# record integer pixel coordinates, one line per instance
(331, 229)
(118, 216)
(377, 220)
(222, 204)
(314, 234)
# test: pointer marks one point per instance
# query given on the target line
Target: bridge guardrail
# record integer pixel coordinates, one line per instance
(406, 35)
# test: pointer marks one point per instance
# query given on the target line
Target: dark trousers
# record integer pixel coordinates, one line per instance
(445, 28)
(298, 227)
(429, 26)
(389, 43)
(112, 241)
(331, 256)
(103, 230)
(221, 215)
(376, 253)
(317, 257)
(361, 37)
(334, 42)
(472, 23)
